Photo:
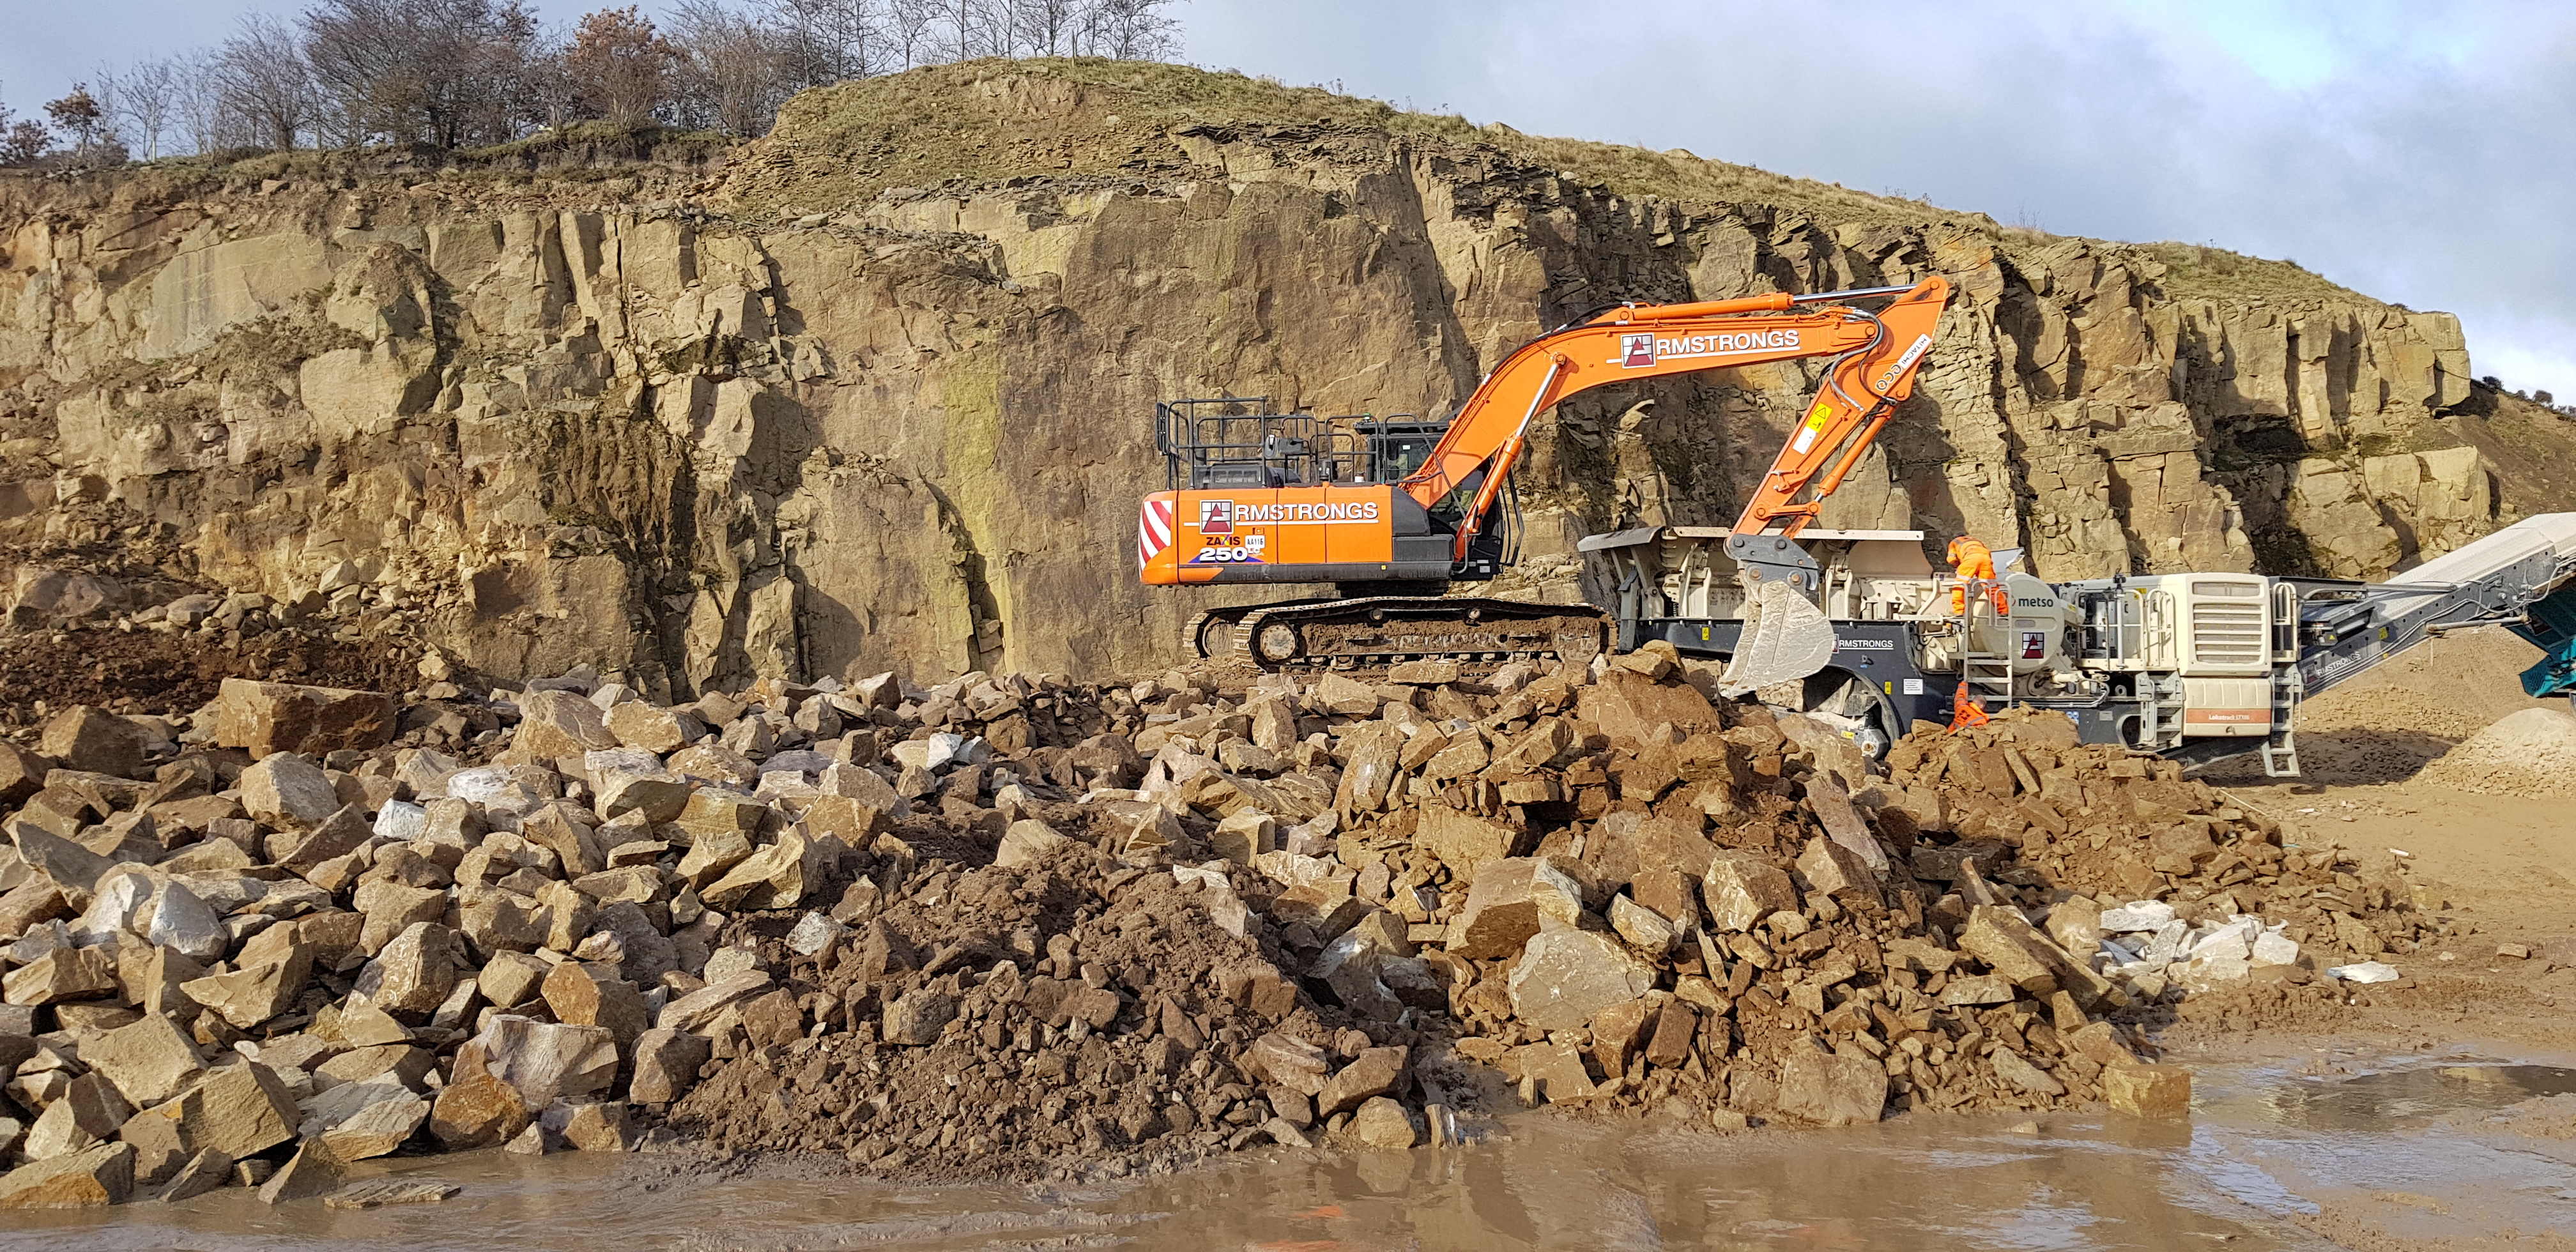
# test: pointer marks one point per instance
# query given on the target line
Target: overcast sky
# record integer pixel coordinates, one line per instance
(2423, 152)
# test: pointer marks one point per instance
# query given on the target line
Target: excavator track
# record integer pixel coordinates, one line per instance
(1215, 634)
(1373, 633)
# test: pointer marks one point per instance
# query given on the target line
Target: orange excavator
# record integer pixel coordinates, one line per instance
(1394, 511)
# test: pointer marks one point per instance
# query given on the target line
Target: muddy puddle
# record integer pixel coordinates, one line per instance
(2426, 1150)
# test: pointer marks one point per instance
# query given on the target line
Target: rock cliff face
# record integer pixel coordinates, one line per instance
(800, 418)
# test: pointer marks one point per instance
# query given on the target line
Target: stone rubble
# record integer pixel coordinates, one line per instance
(1018, 925)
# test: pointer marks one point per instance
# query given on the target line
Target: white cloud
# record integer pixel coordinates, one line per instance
(2416, 152)
(2422, 151)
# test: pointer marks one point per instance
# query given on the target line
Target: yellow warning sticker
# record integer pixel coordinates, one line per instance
(1812, 427)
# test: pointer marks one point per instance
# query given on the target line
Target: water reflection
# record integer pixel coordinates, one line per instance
(2261, 1153)
(2411, 1097)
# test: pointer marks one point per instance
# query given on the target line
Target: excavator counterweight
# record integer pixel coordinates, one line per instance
(1392, 513)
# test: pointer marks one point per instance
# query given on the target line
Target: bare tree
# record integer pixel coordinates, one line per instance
(263, 87)
(145, 101)
(210, 126)
(735, 71)
(21, 143)
(831, 40)
(620, 67)
(450, 73)
(962, 30)
(458, 73)
(1130, 30)
(1047, 27)
(908, 29)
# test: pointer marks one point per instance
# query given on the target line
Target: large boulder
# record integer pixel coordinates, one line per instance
(22, 773)
(1506, 905)
(149, 1061)
(543, 1061)
(653, 729)
(266, 718)
(313, 1172)
(1832, 1090)
(1374, 1072)
(1741, 889)
(1628, 706)
(93, 741)
(240, 1110)
(558, 724)
(477, 1110)
(60, 975)
(1463, 841)
(666, 1065)
(286, 789)
(1566, 975)
(414, 973)
(590, 995)
(98, 1176)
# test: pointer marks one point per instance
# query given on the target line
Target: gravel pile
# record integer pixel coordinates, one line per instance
(1023, 926)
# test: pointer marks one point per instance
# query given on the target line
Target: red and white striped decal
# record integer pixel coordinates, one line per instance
(1153, 530)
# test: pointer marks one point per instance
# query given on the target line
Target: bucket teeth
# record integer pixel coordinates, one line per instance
(1790, 638)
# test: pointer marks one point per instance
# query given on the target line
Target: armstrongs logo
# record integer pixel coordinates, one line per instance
(1216, 517)
(1642, 350)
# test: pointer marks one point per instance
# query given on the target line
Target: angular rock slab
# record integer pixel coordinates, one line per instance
(102, 1175)
(1832, 1090)
(265, 718)
(1565, 976)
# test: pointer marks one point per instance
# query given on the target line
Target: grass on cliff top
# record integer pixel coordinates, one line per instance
(982, 121)
(993, 120)
(2215, 273)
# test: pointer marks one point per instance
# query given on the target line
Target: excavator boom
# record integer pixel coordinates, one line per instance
(1876, 358)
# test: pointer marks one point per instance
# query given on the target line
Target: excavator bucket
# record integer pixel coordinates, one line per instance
(1786, 636)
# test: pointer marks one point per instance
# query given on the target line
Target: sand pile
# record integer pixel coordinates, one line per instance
(2530, 754)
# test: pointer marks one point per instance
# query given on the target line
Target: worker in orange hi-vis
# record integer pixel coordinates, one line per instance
(1965, 710)
(1972, 559)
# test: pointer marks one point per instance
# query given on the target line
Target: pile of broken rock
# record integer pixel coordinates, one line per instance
(1021, 925)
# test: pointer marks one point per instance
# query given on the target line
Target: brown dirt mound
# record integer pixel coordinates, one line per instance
(1025, 1091)
(2531, 754)
(161, 674)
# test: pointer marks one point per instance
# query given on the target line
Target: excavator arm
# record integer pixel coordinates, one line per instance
(1876, 357)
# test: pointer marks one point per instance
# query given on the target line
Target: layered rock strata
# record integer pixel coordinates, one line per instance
(801, 419)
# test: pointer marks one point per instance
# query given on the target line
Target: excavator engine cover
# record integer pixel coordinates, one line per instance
(1789, 638)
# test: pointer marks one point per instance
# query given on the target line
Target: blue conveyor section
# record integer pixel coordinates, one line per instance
(2551, 627)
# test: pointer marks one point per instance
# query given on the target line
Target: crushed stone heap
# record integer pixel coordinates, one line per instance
(1026, 926)
(2531, 753)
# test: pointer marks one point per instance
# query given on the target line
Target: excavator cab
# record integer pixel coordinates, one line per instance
(1243, 443)
(1397, 446)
